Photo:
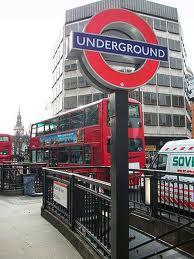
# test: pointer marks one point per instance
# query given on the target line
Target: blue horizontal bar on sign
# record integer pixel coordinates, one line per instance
(118, 46)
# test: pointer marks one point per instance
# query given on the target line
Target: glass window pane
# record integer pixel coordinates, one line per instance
(91, 115)
(76, 120)
(163, 80)
(177, 101)
(84, 99)
(87, 155)
(151, 119)
(63, 155)
(165, 120)
(53, 125)
(4, 139)
(177, 81)
(40, 156)
(76, 155)
(135, 145)
(173, 27)
(164, 99)
(64, 122)
(178, 120)
(150, 98)
(40, 128)
(134, 116)
(33, 156)
(70, 102)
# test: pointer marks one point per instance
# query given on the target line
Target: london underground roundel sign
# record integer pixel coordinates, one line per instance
(100, 51)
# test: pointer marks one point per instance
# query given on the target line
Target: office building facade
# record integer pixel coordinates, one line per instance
(164, 100)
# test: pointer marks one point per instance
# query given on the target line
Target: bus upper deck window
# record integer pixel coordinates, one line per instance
(77, 120)
(91, 115)
(33, 131)
(53, 125)
(64, 122)
(40, 128)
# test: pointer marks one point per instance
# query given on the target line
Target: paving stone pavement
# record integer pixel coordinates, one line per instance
(24, 234)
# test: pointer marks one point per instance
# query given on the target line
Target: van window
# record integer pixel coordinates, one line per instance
(160, 162)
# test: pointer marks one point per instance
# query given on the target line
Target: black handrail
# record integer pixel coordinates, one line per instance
(163, 235)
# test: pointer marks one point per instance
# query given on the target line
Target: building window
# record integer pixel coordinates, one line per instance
(177, 81)
(70, 67)
(178, 120)
(70, 102)
(150, 98)
(174, 45)
(137, 95)
(152, 81)
(82, 82)
(163, 80)
(98, 96)
(70, 83)
(165, 120)
(178, 101)
(84, 99)
(160, 25)
(150, 119)
(176, 63)
(173, 27)
(163, 41)
(67, 68)
(164, 100)
(148, 20)
(164, 64)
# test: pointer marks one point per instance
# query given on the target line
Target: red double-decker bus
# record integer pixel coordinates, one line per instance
(6, 148)
(82, 137)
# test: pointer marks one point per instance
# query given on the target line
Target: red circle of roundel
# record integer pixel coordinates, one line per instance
(101, 68)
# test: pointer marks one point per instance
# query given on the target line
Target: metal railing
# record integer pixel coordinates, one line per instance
(164, 195)
(164, 246)
(12, 176)
(85, 204)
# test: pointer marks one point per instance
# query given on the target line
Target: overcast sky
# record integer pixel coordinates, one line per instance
(28, 30)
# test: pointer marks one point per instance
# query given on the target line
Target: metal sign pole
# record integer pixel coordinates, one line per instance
(119, 175)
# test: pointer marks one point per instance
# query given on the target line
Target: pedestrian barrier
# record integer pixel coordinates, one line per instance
(84, 204)
(14, 178)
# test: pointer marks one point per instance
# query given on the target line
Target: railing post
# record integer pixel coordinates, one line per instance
(1, 168)
(45, 189)
(154, 194)
(2, 178)
(72, 202)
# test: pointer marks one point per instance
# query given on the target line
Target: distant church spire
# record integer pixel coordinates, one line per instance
(19, 128)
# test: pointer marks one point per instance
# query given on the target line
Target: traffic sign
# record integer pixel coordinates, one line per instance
(93, 42)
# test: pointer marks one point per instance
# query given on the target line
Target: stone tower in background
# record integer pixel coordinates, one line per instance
(20, 140)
